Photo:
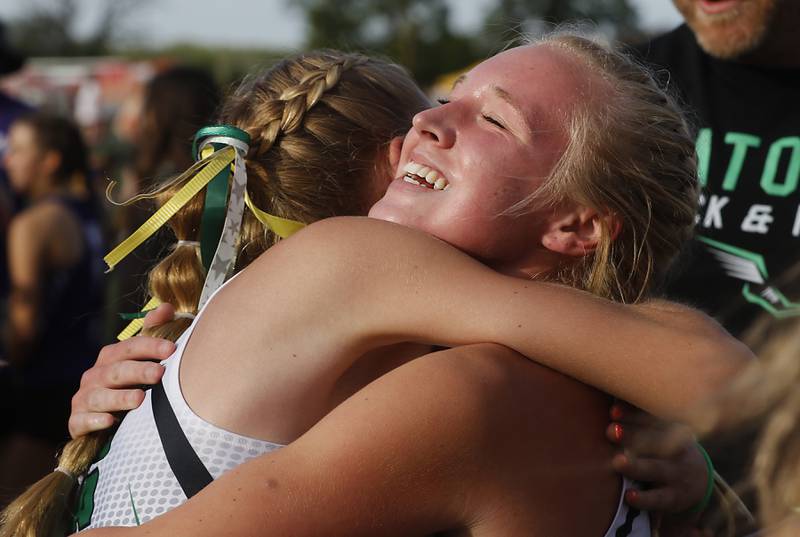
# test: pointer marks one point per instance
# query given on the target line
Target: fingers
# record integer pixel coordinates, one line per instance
(100, 393)
(643, 469)
(105, 400)
(678, 483)
(85, 423)
(625, 412)
(661, 499)
(122, 374)
(658, 499)
(164, 313)
(136, 348)
(661, 454)
(105, 388)
(92, 407)
(650, 440)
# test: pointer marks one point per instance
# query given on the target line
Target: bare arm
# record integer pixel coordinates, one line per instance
(375, 283)
(389, 461)
(45, 236)
(26, 250)
(426, 448)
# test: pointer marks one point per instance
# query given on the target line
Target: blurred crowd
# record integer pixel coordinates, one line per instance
(58, 308)
(57, 222)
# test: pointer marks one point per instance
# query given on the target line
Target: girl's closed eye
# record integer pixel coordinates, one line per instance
(494, 121)
(442, 100)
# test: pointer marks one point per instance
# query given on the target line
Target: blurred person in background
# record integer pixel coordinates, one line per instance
(765, 403)
(736, 64)
(766, 399)
(10, 109)
(55, 267)
(175, 104)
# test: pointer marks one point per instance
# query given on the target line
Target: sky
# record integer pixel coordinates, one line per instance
(270, 23)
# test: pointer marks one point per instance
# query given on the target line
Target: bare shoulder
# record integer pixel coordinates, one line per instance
(44, 217)
(29, 228)
(349, 238)
(500, 381)
(535, 436)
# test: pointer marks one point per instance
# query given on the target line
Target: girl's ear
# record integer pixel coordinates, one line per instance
(577, 231)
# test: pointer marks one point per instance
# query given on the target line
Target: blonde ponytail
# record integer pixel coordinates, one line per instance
(44, 509)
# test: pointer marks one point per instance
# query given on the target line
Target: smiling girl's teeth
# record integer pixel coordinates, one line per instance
(424, 176)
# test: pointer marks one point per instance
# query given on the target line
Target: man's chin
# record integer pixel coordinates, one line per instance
(729, 35)
(729, 44)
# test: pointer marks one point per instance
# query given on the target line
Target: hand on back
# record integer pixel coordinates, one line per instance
(663, 455)
(114, 383)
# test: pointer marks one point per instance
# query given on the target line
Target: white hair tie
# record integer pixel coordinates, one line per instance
(65, 472)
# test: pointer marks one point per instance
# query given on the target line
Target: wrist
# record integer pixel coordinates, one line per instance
(703, 503)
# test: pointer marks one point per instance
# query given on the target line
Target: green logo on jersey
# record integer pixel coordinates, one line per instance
(85, 507)
(751, 268)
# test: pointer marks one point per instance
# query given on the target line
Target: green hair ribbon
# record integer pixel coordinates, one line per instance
(220, 151)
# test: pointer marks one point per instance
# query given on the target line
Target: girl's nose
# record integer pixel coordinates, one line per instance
(436, 126)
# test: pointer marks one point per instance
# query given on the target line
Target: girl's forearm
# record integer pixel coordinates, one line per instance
(662, 357)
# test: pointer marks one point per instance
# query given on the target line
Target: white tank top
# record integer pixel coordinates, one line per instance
(628, 521)
(131, 482)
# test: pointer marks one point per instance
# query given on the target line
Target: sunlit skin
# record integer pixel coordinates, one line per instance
(41, 238)
(752, 31)
(24, 160)
(485, 109)
(281, 397)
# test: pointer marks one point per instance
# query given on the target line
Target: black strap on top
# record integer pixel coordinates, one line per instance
(189, 470)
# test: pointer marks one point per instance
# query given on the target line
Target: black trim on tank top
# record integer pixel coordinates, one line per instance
(627, 527)
(189, 470)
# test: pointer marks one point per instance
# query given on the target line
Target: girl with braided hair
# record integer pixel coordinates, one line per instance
(322, 166)
(511, 173)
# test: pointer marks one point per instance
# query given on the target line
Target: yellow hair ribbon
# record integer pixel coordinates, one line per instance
(213, 165)
(135, 325)
(282, 227)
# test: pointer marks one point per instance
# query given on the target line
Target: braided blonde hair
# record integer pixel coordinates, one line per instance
(319, 124)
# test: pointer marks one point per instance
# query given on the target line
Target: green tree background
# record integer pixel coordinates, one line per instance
(415, 33)
(419, 35)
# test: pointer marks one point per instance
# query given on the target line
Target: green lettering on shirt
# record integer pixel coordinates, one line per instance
(83, 513)
(702, 148)
(85, 508)
(789, 183)
(741, 142)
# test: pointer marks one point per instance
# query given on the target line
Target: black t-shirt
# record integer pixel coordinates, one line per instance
(748, 146)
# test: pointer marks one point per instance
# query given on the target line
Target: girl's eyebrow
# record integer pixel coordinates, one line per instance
(506, 96)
